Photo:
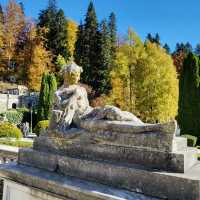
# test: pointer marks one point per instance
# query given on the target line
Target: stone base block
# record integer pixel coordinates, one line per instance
(178, 161)
(161, 184)
(36, 184)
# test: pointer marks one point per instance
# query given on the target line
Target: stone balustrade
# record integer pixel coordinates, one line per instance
(7, 154)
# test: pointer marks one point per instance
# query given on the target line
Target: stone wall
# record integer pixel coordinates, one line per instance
(7, 101)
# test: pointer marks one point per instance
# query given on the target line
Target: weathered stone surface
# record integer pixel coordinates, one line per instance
(127, 126)
(132, 177)
(179, 161)
(38, 159)
(66, 187)
(160, 184)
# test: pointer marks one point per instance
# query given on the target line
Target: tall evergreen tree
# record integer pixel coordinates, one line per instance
(189, 95)
(150, 37)
(79, 45)
(113, 35)
(102, 74)
(55, 23)
(167, 48)
(87, 49)
(48, 87)
(59, 42)
(186, 48)
(157, 39)
(153, 39)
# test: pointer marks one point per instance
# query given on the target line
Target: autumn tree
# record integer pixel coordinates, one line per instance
(178, 58)
(122, 75)
(38, 60)
(140, 84)
(14, 22)
(72, 29)
(156, 85)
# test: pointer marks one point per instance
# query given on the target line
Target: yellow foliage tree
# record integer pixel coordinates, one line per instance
(122, 74)
(38, 60)
(14, 22)
(39, 64)
(72, 29)
(156, 85)
(144, 81)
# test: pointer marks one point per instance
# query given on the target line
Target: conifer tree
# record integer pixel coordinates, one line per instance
(48, 87)
(189, 95)
(102, 74)
(87, 47)
(167, 48)
(56, 24)
(79, 45)
(113, 36)
(153, 39)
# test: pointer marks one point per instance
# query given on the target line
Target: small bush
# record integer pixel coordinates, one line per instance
(191, 140)
(41, 126)
(9, 130)
(14, 117)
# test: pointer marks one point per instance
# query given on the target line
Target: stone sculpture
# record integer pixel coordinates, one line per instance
(72, 107)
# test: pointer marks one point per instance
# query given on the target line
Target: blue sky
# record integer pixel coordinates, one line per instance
(174, 20)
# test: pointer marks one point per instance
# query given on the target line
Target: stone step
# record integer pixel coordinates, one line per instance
(179, 143)
(161, 184)
(64, 187)
(178, 161)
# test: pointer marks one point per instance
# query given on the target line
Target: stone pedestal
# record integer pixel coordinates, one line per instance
(105, 160)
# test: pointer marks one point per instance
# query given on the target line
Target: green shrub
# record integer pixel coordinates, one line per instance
(41, 126)
(191, 140)
(18, 116)
(9, 130)
(14, 117)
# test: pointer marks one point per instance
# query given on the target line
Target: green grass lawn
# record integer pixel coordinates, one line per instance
(16, 143)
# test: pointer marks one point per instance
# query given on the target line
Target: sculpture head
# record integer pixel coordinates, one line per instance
(71, 74)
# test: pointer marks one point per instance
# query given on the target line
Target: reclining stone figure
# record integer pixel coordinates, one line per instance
(71, 107)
